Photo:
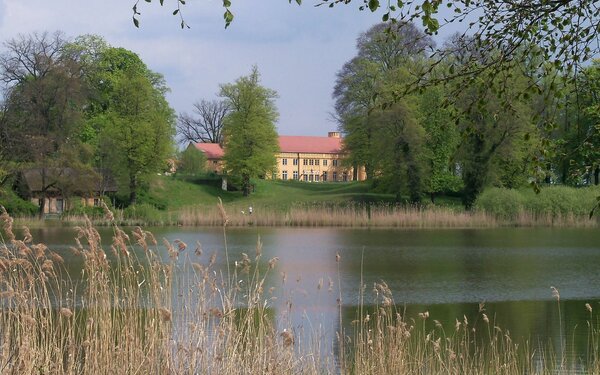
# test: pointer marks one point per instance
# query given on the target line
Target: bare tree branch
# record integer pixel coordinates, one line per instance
(205, 125)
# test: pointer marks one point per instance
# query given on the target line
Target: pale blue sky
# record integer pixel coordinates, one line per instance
(298, 49)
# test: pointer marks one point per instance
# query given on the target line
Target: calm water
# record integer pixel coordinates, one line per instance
(446, 272)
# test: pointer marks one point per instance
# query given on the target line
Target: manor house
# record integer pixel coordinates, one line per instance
(306, 158)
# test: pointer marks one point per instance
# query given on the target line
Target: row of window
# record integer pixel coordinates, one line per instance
(315, 177)
(334, 162)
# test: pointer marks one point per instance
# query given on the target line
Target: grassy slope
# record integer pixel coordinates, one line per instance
(178, 194)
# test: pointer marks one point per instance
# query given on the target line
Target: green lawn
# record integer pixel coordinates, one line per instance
(178, 193)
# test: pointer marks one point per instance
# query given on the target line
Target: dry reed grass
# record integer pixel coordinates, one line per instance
(139, 312)
(389, 216)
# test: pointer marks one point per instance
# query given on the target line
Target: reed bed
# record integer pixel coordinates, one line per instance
(390, 216)
(336, 215)
(148, 306)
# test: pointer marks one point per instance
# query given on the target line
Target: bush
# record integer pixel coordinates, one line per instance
(143, 212)
(17, 206)
(504, 203)
(553, 201)
(78, 209)
(561, 201)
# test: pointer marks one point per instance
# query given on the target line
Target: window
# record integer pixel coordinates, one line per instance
(295, 174)
(284, 162)
(334, 176)
(295, 161)
(305, 177)
(317, 178)
(334, 161)
(305, 161)
(324, 175)
(284, 174)
(325, 162)
(311, 162)
(310, 177)
(317, 162)
(345, 176)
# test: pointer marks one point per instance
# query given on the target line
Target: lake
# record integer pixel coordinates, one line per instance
(447, 272)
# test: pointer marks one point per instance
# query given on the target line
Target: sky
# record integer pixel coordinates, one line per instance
(298, 49)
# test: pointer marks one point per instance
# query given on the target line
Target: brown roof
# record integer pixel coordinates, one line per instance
(211, 150)
(69, 178)
(316, 145)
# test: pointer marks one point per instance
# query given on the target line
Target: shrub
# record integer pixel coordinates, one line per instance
(78, 209)
(143, 212)
(16, 206)
(552, 201)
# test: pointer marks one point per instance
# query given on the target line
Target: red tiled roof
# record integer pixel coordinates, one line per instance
(211, 150)
(316, 145)
(287, 143)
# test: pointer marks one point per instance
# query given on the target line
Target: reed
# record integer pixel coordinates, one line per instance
(145, 306)
(321, 215)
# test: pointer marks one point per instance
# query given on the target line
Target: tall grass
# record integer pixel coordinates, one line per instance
(354, 215)
(140, 308)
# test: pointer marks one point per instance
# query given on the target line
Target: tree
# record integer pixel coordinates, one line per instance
(191, 161)
(399, 140)
(250, 135)
(44, 97)
(361, 82)
(207, 126)
(129, 120)
(441, 142)
(493, 136)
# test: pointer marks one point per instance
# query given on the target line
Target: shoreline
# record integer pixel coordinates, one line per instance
(336, 217)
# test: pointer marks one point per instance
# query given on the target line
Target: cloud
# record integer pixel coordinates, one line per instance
(297, 49)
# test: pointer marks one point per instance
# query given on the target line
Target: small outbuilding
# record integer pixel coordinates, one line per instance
(58, 189)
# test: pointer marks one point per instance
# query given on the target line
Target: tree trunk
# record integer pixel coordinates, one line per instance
(432, 197)
(246, 185)
(42, 207)
(597, 176)
(132, 190)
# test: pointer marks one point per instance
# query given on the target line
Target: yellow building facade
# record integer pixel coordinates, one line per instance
(314, 159)
(303, 158)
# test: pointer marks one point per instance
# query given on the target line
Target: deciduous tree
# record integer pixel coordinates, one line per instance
(205, 125)
(250, 135)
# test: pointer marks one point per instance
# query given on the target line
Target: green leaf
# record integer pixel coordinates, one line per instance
(226, 3)
(175, 11)
(228, 16)
(373, 5)
(136, 23)
(386, 17)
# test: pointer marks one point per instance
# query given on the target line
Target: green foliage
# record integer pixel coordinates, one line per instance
(552, 201)
(191, 162)
(15, 205)
(441, 142)
(78, 209)
(134, 121)
(250, 135)
(143, 212)
(503, 203)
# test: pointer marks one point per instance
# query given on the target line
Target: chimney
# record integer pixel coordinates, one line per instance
(334, 135)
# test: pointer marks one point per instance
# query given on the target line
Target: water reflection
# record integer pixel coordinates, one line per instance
(445, 272)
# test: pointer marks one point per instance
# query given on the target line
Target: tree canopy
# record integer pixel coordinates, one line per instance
(250, 134)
